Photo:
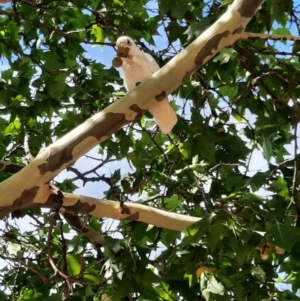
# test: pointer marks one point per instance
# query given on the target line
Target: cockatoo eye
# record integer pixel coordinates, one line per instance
(128, 42)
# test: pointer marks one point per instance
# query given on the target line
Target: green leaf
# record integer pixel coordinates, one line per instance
(56, 85)
(176, 8)
(31, 294)
(91, 278)
(197, 230)
(3, 296)
(13, 128)
(118, 3)
(267, 147)
(281, 188)
(184, 149)
(169, 237)
(195, 29)
(282, 31)
(139, 231)
(283, 236)
(73, 264)
(296, 282)
(98, 33)
(67, 186)
(215, 286)
(224, 56)
(115, 244)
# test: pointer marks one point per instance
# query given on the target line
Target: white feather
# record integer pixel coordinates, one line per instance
(137, 67)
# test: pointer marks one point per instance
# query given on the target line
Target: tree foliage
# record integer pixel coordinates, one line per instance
(232, 159)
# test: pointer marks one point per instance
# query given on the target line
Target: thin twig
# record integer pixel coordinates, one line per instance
(23, 263)
(27, 148)
(58, 31)
(279, 166)
(224, 164)
(295, 182)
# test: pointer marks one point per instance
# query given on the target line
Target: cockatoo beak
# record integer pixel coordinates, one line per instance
(123, 51)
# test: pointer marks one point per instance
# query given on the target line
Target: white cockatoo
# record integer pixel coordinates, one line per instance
(138, 66)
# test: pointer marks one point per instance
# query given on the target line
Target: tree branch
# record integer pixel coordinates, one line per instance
(265, 36)
(10, 167)
(94, 236)
(137, 212)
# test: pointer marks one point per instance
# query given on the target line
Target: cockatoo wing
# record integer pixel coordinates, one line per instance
(136, 68)
(163, 113)
(151, 62)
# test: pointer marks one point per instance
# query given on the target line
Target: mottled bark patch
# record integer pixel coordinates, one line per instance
(106, 125)
(161, 96)
(82, 207)
(139, 112)
(247, 9)
(4, 211)
(239, 30)
(210, 47)
(26, 201)
(207, 51)
(124, 209)
(75, 221)
(26, 198)
(134, 217)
